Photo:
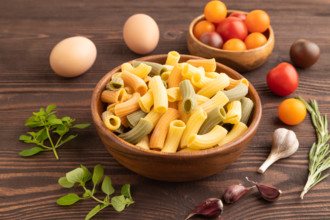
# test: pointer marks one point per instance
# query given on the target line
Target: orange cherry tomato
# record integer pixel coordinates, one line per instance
(255, 40)
(234, 44)
(257, 21)
(291, 111)
(215, 11)
(202, 27)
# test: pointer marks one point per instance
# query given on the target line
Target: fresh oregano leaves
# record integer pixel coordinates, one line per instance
(82, 175)
(49, 124)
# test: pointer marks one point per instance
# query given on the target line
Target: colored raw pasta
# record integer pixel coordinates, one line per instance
(189, 71)
(173, 58)
(175, 76)
(237, 92)
(135, 82)
(233, 83)
(220, 99)
(111, 121)
(113, 96)
(142, 70)
(217, 84)
(134, 118)
(146, 101)
(144, 143)
(174, 94)
(235, 132)
(214, 117)
(153, 117)
(158, 136)
(208, 140)
(159, 94)
(209, 65)
(247, 107)
(156, 68)
(115, 84)
(174, 136)
(128, 107)
(189, 100)
(136, 134)
(234, 112)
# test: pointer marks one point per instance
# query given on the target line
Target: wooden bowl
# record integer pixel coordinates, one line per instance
(241, 61)
(174, 167)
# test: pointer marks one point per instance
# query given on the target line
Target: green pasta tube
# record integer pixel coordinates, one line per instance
(214, 117)
(134, 118)
(189, 100)
(237, 92)
(120, 130)
(136, 134)
(156, 68)
(115, 84)
(247, 107)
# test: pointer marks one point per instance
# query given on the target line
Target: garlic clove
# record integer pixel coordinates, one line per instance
(210, 208)
(267, 192)
(234, 192)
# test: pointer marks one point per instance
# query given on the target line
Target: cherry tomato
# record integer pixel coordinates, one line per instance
(202, 27)
(234, 44)
(238, 15)
(215, 11)
(291, 111)
(283, 79)
(212, 39)
(232, 28)
(255, 40)
(257, 21)
(304, 53)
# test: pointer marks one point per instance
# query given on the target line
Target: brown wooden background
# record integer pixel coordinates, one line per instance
(28, 31)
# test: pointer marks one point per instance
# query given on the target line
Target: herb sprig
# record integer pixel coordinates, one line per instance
(319, 159)
(82, 175)
(50, 125)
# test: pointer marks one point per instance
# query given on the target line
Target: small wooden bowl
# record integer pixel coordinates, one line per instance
(174, 167)
(241, 61)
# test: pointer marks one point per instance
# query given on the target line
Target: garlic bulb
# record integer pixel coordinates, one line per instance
(284, 144)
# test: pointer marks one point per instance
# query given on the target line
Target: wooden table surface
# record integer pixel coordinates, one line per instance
(28, 186)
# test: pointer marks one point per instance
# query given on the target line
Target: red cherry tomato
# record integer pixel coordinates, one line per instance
(283, 79)
(212, 39)
(238, 15)
(232, 28)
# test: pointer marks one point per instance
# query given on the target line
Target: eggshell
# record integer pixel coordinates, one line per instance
(73, 56)
(141, 33)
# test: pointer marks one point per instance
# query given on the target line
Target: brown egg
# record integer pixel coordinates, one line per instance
(73, 56)
(141, 33)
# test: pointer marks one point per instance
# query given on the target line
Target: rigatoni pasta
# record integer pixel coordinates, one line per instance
(176, 107)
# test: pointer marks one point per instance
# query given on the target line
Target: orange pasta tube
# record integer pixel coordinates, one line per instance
(135, 82)
(209, 65)
(113, 96)
(128, 107)
(175, 77)
(158, 136)
(233, 83)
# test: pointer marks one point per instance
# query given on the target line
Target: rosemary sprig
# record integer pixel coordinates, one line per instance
(319, 159)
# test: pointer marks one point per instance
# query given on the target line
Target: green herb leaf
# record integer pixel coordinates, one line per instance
(61, 130)
(69, 199)
(25, 138)
(118, 203)
(87, 174)
(41, 135)
(67, 119)
(30, 152)
(107, 186)
(68, 139)
(81, 126)
(87, 194)
(126, 190)
(94, 211)
(97, 174)
(55, 121)
(50, 108)
(63, 181)
(75, 176)
(129, 201)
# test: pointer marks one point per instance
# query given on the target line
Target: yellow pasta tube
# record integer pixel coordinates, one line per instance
(174, 94)
(201, 99)
(158, 136)
(233, 83)
(235, 132)
(220, 99)
(217, 84)
(159, 94)
(183, 116)
(200, 81)
(211, 75)
(146, 101)
(127, 67)
(194, 123)
(129, 90)
(128, 107)
(209, 65)
(188, 71)
(153, 117)
(173, 58)
(135, 82)
(234, 112)
(142, 70)
(110, 97)
(208, 140)
(174, 136)
(111, 108)
(144, 143)
(165, 75)
(111, 121)
(118, 74)
(173, 105)
(175, 77)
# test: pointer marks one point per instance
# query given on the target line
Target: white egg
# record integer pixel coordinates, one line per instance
(73, 56)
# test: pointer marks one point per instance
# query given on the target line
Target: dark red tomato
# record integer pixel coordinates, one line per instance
(238, 15)
(283, 79)
(212, 39)
(304, 53)
(232, 27)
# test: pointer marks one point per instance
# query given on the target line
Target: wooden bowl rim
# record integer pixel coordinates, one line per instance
(227, 148)
(202, 17)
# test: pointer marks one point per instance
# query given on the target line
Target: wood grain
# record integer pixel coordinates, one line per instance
(28, 31)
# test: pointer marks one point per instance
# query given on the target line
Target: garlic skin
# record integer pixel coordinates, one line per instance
(284, 144)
